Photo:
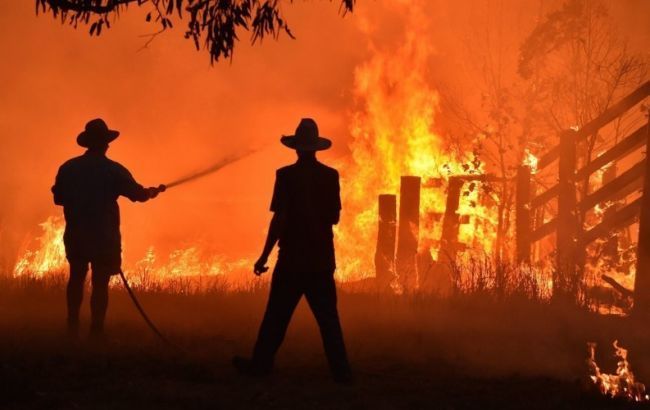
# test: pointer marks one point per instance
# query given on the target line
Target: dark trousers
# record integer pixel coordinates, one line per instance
(98, 297)
(286, 290)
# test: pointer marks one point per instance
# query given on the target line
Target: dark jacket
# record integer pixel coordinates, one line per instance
(307, 195)
(88, 187)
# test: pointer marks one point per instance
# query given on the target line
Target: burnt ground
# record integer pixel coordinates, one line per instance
(408, 352)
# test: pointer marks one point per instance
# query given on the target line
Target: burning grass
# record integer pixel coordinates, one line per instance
(622, 383)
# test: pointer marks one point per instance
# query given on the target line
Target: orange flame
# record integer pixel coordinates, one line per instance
(620, 384)
(183, 270)
(50, 255)
(393, 134)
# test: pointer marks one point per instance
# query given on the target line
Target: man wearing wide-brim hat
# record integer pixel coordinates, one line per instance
(305, 206)
(88, 187)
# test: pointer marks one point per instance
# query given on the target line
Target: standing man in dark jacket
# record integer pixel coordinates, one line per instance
(88, 187)
(305, 205)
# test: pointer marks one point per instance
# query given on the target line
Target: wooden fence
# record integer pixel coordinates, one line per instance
(397, 242)
(571, 236)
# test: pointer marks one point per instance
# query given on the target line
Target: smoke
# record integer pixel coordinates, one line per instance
(176, 113)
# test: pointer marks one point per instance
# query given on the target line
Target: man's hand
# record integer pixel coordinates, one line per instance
(154, 191)
(260, 266)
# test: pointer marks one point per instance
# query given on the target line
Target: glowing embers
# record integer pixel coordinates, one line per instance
(620, 384)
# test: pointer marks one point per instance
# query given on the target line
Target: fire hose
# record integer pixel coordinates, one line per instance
(183, 180)
(144, 315)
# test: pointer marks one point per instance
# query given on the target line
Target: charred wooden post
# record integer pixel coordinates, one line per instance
(611, 245)
(565, 281)
(408, 232)
(642, 278)
(451, 222)
(386, 231)
(617, 286)
(522, 214)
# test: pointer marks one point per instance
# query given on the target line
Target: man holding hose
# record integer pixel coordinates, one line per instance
(88, 187)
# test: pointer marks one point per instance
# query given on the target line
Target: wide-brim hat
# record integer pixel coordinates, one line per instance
(96, 133)
(306, 137)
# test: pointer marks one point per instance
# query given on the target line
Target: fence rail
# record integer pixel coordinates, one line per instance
(571, 237)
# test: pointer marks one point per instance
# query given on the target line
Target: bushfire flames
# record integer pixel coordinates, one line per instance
(622, 383)
(184, 270)
(387, 144)
(393, 135)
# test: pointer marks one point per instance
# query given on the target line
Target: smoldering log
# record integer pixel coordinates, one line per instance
(617, 286)
(386, 232)
(408, 231)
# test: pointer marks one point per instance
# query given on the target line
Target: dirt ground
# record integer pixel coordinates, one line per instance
(408, 352)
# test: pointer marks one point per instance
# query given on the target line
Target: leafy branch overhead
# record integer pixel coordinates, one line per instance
(212, 23)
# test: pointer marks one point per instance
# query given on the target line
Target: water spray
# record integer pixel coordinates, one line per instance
(183, 180)
(209, 170)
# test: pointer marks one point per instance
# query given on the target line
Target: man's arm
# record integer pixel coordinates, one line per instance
(128, 187)
(58, 189)
(275, 228)
(278, 207)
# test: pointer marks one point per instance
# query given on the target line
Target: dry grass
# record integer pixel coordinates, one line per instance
(472, 350)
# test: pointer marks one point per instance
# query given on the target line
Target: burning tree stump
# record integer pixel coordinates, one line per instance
(565, 278)
(386, 232)
(408, 232)
(522, 212)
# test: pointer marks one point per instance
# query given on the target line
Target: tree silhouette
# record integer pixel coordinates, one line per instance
(213, 22)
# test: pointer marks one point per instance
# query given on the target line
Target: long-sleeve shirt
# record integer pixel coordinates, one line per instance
(88, 187)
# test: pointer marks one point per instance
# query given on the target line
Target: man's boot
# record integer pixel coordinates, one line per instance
(249, 367)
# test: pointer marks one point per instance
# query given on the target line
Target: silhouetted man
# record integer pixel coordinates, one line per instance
(88, 187)
(305, 205)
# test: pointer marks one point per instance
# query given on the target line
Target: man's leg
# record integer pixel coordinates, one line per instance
(98, 299)
(74, 293)
(283, 298)
(321, 296)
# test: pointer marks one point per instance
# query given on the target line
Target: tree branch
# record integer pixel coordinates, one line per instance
(215, 23)
(96, 7)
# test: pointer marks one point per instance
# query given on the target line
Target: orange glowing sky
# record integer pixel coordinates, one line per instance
(177, 114)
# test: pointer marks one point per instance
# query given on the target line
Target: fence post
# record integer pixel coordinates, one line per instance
(386, 231)
(642, 277)
(451, 222)
(522, 214)
(565, 278)
(408, 232)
